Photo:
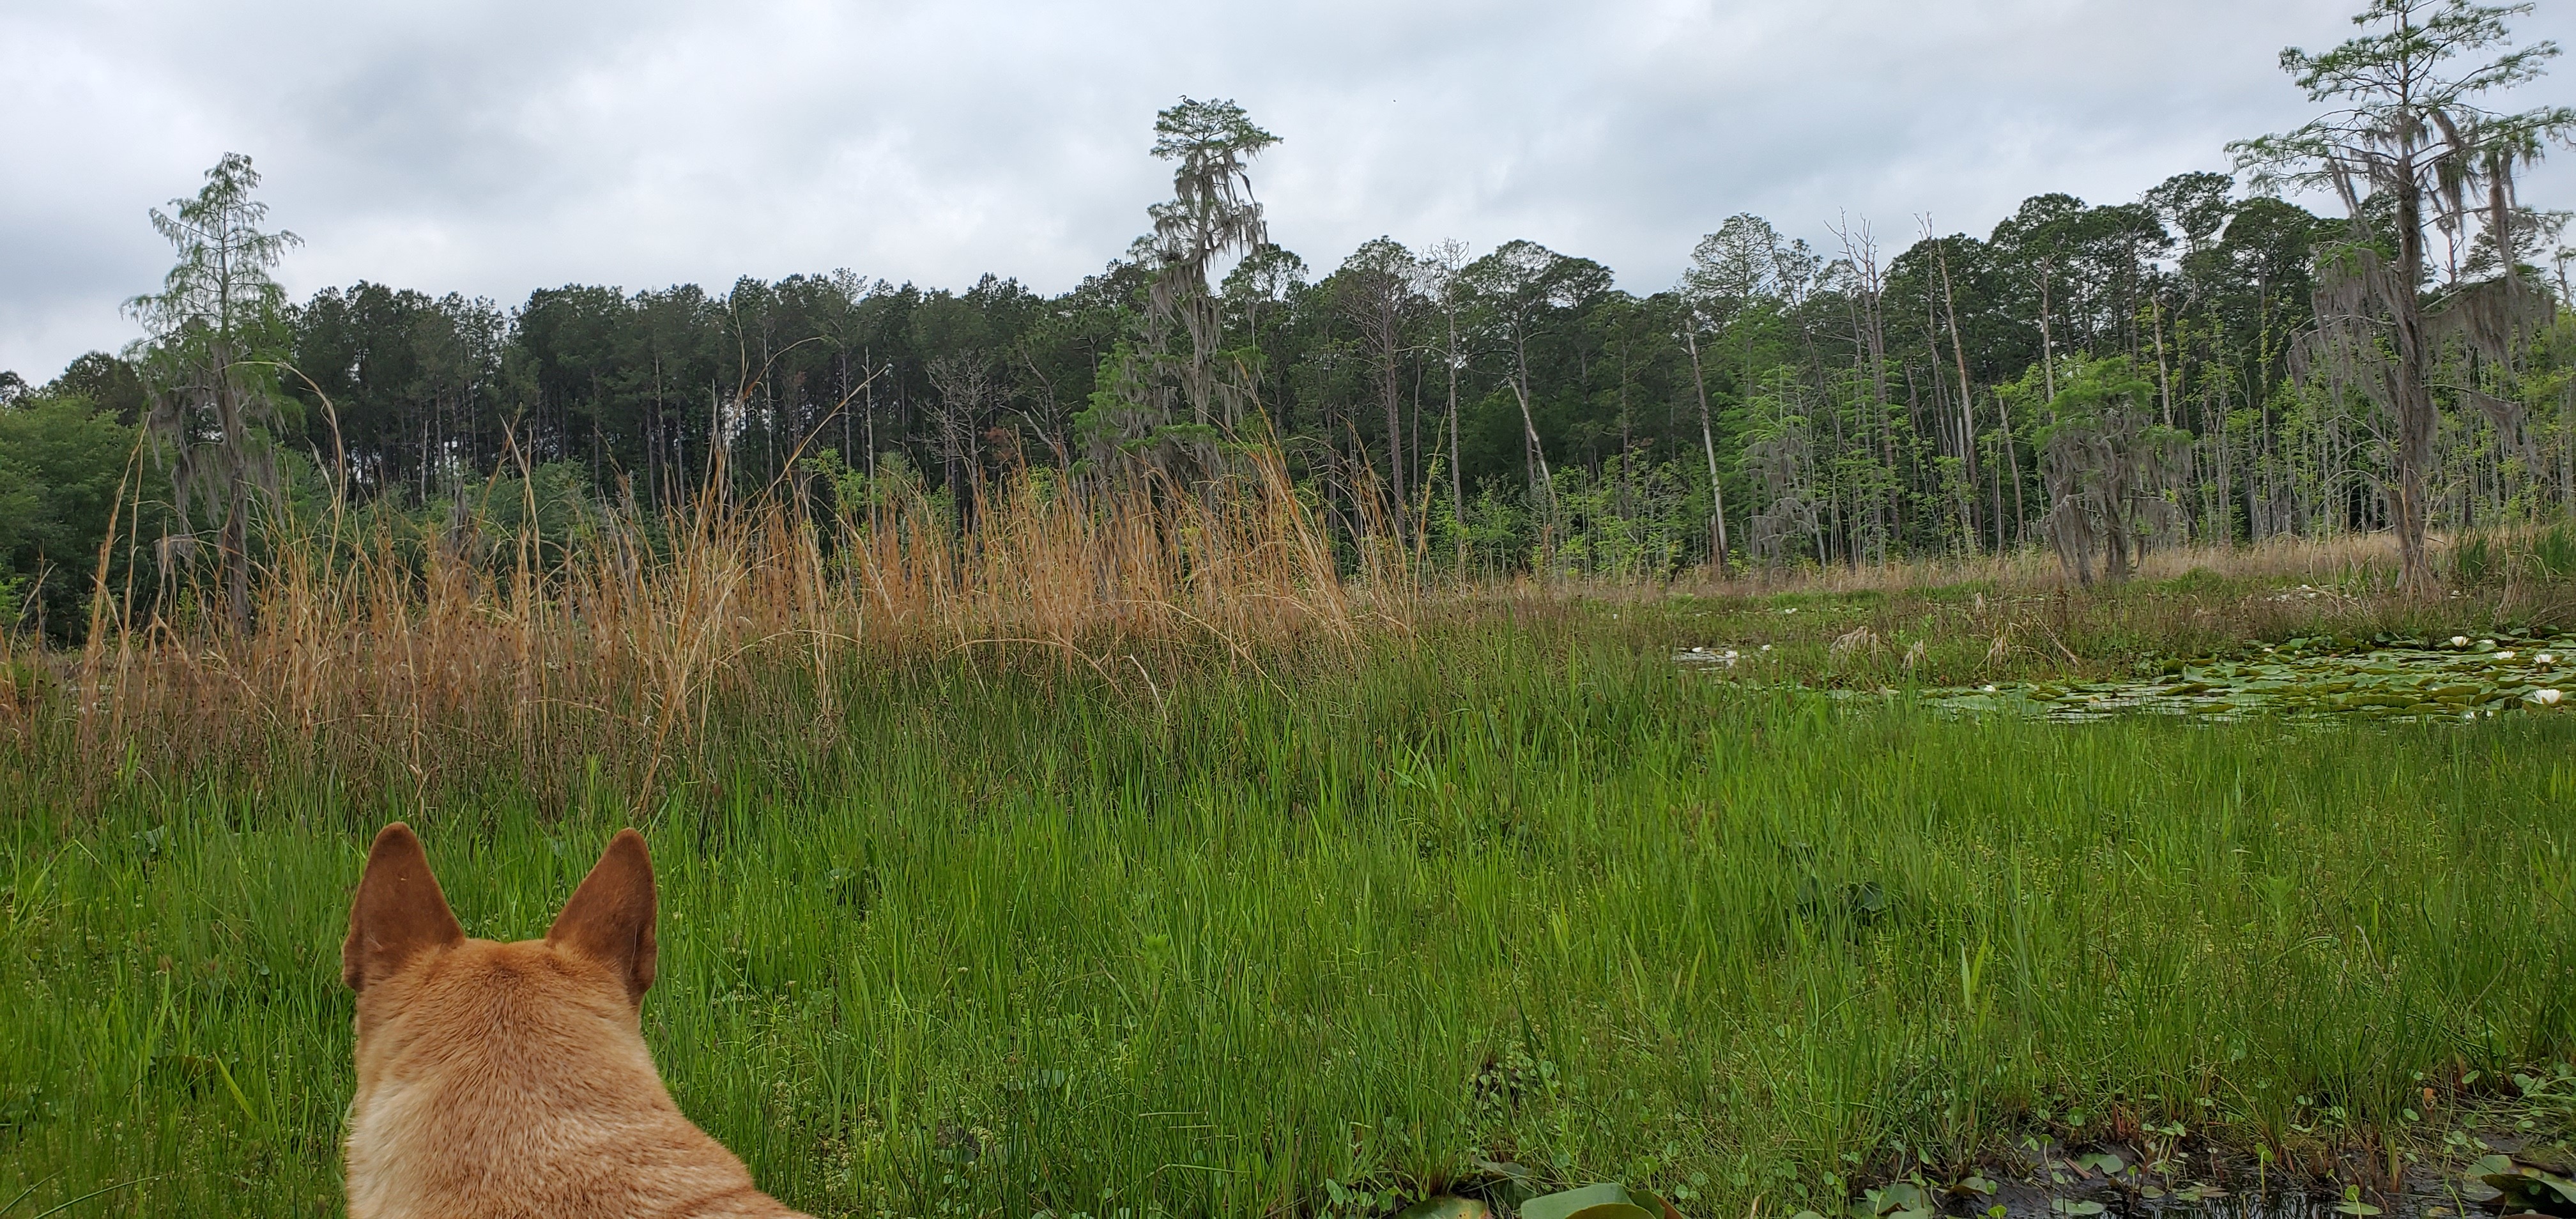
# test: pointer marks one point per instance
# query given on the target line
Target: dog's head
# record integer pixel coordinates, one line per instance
(513, 1079)
(420, 980)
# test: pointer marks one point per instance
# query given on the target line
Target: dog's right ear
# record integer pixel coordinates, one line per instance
(399, 911)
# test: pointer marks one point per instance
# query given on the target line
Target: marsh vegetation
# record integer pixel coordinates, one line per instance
(1378, 899)
(1220, 743)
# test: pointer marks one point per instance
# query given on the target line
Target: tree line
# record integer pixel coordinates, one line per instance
(2208, 362)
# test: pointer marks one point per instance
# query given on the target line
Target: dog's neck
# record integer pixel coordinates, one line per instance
(499, 1090)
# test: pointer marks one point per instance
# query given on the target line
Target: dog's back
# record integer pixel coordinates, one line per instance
(511, 1079)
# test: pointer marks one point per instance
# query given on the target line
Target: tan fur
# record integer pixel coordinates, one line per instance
(511, 1081)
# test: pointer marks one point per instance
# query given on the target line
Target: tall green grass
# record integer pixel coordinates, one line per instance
(1320, 938)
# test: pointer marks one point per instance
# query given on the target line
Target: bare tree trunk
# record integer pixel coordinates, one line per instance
(1413, 439)
(2047, 340)
(1457, 476)
(1883, 513)
(1967, 416)
(2567, 449)
(2012, 463)
(1708, 445)
(2409, 391)
(1529, 427)
(1995, 480)
(1871, 323)
(1389, 388)
(236, 533)
(2164, 372)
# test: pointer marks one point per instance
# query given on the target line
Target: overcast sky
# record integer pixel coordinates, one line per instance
(490, 147)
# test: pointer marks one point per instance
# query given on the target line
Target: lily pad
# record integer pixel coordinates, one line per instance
(2353, 1205)
(2396, 682)
(1608, 1200)
(1446, 1206)
(2524, 1186)
(2102, 1162)
(1900, 1198)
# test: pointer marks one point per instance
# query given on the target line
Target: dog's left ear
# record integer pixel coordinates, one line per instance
(610, 917)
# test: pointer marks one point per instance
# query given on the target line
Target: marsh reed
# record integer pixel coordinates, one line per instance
(609, 647)
(384, 653)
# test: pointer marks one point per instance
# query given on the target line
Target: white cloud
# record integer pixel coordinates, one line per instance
(496, 147)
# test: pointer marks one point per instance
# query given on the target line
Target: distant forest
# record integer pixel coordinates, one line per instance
(2094, 376)
(1863, 406)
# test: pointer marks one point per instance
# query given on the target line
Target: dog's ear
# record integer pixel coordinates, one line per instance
(610, 917)
(398, 912)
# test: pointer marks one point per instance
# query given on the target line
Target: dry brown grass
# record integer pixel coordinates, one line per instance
(388, 665)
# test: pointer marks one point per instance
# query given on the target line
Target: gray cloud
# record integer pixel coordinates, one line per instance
(491, 147)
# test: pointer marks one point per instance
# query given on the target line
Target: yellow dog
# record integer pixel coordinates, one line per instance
(501, 1081)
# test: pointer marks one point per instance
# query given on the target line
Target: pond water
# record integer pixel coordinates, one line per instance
(2444, 678)
(2459, 678)
(2111, 1184)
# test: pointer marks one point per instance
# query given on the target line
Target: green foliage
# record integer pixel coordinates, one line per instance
(2409, 146)
(2095, 390)
(2537, 557)
(552, 506)
(2110, 472)
(1860, 409)
(1491, 901)
(217, 330)
(61, 463)
(1633, 521)
(111, 384)
(1209, 140)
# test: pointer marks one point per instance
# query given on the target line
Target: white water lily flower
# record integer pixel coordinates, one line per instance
(2505, 655)
(2546, 658)
(2546, 698)
(2459, 641)
(1766, 647)
(1987, 689)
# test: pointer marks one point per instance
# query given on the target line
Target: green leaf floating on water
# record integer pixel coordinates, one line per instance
(1446, 1206)
(1904, 1198)
(2521, 1185)
(2403, 682)
(1608, 1200)
(2102, 1162)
